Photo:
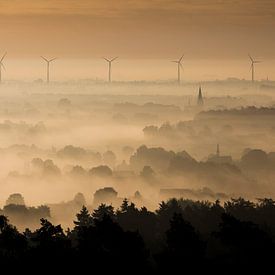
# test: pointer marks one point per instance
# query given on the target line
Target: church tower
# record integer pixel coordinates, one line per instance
(200, 98)
(218, 150)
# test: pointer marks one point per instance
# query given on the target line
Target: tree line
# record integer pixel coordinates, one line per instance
(181, 235)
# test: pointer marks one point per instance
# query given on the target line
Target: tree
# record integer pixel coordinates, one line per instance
(50, 169)
(184, 248)
(105, 195)
(124, 206)
(84, 218)
(101, 171)
(78, 171)
(3, 223)
(49, 247)
(157, 158)
(183, 240)
(165, 214)
(255, 159)
(12, 244)
(79, 199)
(147, 172)
(117, 247)
(240, 208)
(246, 245)
(103, 210)
(128, 216)
(15, 199)
(48, 231)
(109, 158)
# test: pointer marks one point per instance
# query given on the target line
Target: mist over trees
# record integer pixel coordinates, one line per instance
(137, 137)
(180, 166)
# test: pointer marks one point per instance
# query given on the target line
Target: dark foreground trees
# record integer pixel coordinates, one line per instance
(182, 235)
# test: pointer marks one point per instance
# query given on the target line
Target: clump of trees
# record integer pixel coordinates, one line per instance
(182, 235)
(78, 153)
(243, 111)
(25, 216)
(45, 168)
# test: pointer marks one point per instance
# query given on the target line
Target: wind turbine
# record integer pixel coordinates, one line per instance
(110, 61)
(2, 66)
(253, 62)
(48, 67)
(179, 62)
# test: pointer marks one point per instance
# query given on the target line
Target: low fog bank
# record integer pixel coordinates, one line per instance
(63, 145)
(149, 176)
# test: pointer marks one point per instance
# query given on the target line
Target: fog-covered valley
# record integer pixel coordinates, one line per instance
(145, 141)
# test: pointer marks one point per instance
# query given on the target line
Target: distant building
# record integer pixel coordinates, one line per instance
(200, 98)
(217, 158)
(218, 150)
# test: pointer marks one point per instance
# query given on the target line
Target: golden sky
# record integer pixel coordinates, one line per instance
(138, 28)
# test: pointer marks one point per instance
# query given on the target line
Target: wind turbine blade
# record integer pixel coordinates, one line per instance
(52, 59)
(175, 61)
(181, 58)
(3, 57)
(250, 58)
(45, 58)
(114, 59)
(106, 59)
(181, 66)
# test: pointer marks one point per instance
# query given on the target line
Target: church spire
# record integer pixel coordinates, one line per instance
(200, 98)
(218, 150)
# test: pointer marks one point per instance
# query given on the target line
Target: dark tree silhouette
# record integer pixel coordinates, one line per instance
(181, 236)
(245, 245)
(84, 219)
(13, 245)
(184, 248)
(103, 210)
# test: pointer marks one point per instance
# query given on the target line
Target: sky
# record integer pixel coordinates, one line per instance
(138, 29)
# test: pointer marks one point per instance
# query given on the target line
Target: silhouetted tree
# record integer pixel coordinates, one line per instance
(105, 195)
(103, 210)
(147, 172)
(49, 242)
(101, 171)
(166, 212)
(182, 235)
(184, 248)
(83, 218)
(246, 246)
(13, 245)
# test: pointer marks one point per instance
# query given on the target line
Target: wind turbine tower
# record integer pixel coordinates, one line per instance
(253, 62)
(110, 61)
(2, 66)
(48, 61)
(179, 62)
